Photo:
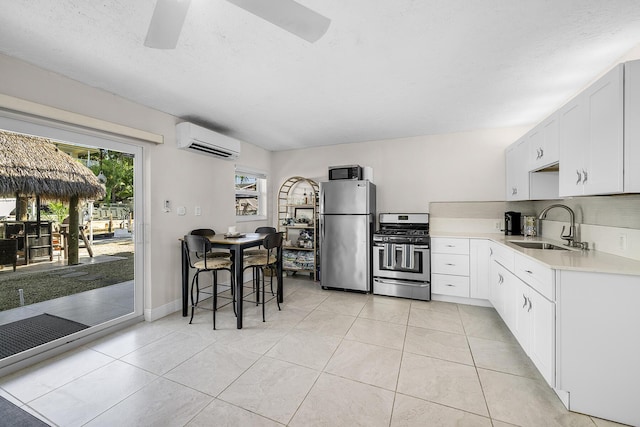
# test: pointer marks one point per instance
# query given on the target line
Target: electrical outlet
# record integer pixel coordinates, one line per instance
(498, 225)
(622, 242)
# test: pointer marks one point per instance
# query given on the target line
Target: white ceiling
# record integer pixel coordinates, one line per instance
(384, 69)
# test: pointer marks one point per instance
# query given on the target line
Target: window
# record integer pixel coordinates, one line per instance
(251, 195)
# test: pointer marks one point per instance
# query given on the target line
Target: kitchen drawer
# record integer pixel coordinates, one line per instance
(444, 284)
(538, 276)
(502, 255)
(442, 245)
(450, 264)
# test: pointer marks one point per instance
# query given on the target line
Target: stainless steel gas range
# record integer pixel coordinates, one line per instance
(401, 261)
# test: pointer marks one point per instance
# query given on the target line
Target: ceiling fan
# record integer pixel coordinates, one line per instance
(168, 18)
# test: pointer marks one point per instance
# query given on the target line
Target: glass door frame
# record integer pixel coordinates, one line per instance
(76, 135)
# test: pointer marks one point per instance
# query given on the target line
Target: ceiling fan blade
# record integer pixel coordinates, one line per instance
(166, 23)
(288, 15)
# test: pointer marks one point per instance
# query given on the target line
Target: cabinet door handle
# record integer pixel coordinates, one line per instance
(541, 152)
(525, 301)
(500, 279)
(584, 173)
(579, 177)
(490, 251)
(530, 305)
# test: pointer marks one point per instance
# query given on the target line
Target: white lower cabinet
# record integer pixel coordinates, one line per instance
(479, 271)
(580, 329)
(446, 284)
(450, 266)
(535, 329)
(528, 314)
(503, 292)
(599, 344)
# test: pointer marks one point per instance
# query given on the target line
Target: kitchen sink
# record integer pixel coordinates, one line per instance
(538, 245)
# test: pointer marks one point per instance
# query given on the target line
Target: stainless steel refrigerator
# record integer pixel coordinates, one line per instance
(347, 222)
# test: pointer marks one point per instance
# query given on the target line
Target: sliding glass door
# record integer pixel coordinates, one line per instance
(46, 303)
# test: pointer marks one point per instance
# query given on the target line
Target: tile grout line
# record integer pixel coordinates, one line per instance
(322, 370)
(475, 366)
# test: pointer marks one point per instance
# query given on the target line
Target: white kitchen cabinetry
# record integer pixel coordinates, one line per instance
(522, 185)
(534, 329)
(592, 138)
(517, 295)
(631, 127)
(544, 144)
(450, 266)
(503, 293)
(599, 344)
(517, 171)
(479, 272)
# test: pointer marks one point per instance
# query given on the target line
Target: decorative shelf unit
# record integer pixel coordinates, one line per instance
(298, 220)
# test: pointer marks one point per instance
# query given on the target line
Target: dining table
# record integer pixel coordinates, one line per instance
(236, 244)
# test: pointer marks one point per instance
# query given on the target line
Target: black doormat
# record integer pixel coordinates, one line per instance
(12, 415)
(24, 334)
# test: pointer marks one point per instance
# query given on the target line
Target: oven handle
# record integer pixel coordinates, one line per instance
(399, 246)
(400, 282)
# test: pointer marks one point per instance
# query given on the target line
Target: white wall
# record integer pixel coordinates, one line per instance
(411, 172)
(186, 179)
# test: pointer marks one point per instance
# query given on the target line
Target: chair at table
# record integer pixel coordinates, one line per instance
(261, 262)
(207, 232)
(198, 251)
(215, 253)
(260, 251)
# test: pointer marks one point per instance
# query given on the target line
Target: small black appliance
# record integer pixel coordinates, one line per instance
(512, 223)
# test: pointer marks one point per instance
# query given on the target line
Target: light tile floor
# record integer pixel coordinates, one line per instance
(329, 358)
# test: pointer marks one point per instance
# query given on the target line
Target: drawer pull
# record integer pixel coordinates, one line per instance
(449, 284)
(448, 263)
(451, 246)
(528, 271)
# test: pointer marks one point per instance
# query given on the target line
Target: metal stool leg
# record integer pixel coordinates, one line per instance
(193, 304)
(215, 297)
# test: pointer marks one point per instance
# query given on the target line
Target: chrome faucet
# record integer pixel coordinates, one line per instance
(571, 237)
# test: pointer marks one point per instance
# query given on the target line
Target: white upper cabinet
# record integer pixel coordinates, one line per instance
(632, 127)
(522, 185)
(543, 144)
(592, 139)
(517, 171)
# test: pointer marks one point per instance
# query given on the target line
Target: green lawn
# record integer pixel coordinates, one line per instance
(47, 285)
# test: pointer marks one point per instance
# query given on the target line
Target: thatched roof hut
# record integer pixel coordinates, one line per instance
(34, 166)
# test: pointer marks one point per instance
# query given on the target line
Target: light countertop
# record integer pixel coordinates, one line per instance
(590, 261)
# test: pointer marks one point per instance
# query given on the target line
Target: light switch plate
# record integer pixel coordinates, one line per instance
(197, 211)
(182, 210)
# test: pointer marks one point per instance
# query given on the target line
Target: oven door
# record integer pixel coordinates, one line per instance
(401, 261)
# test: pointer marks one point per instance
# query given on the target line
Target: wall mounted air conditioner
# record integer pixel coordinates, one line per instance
(201, 140)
